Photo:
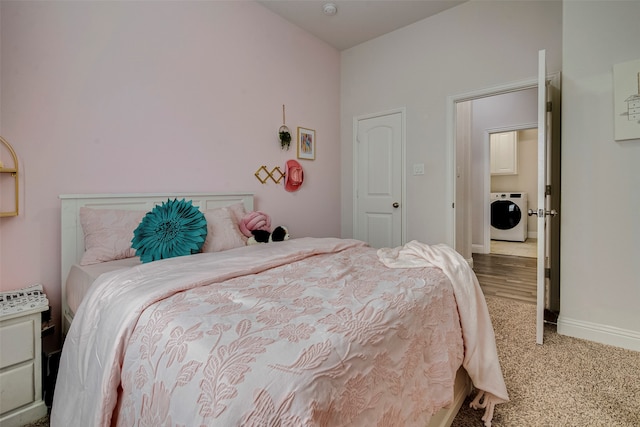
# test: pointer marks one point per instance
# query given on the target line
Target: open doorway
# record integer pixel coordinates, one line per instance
(476, 118)
(503, 173)
(470, 132)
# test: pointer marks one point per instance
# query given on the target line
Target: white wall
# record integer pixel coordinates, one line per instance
(600, 247)
(472, 46)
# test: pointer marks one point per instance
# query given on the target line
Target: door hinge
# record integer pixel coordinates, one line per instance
(547, 273)
(547, 190)
(549, 106)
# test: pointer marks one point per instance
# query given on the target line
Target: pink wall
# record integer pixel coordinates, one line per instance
(115, 97)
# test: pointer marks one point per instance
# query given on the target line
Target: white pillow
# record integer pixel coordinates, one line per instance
(108, 234)
(222, 229)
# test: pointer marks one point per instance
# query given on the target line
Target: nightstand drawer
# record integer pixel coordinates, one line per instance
(21, 367)
(16, 387)
(17, 341)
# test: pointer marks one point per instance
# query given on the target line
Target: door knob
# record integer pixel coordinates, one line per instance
(395, 204)
(541, 212)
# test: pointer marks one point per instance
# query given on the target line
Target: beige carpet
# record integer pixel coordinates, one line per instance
(566, 382)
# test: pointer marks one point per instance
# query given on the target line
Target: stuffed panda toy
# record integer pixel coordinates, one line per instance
(278, 234)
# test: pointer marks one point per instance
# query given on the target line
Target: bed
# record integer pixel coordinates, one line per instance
(306, 332)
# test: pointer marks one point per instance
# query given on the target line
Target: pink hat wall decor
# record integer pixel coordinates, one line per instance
(293, 176)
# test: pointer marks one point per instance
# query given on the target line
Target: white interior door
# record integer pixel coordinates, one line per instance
(544, 211)
(542, 182)
(378, 179)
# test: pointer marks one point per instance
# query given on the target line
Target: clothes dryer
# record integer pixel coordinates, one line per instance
(509, 216)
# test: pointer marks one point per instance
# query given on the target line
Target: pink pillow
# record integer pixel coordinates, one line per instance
(238, 212)
(108, 234)
(222, 230)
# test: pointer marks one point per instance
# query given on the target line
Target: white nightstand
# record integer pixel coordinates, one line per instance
(20, 368)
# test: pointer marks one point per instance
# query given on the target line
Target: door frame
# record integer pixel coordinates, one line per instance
(452, 100)
(402, 177)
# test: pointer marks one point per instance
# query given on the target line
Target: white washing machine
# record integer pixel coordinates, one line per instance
(509, 216)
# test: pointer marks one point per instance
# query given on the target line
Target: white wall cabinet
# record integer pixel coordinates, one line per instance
(20, 368)
(504, 153)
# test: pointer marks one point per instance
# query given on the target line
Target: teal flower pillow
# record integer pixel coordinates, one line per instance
(175, 228)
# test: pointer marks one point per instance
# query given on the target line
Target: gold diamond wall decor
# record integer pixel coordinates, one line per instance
(263, 174)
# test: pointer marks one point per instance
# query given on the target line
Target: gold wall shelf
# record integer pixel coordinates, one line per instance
(263, 174)
(13, 171)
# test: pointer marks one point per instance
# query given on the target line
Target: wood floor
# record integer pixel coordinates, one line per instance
(506, 276)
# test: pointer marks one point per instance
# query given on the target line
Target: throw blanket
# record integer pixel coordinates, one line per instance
(481, 356)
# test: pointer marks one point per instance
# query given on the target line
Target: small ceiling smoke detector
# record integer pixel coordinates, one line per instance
(330, 9)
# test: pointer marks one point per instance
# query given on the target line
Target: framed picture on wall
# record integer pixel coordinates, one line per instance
(626, 82)
(306, 143)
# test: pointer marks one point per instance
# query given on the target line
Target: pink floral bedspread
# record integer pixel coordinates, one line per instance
(308, 332)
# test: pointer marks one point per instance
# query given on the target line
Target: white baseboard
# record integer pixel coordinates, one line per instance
(478, 249)
(604, 334)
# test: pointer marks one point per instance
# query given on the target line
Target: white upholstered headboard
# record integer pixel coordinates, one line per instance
(72, 237)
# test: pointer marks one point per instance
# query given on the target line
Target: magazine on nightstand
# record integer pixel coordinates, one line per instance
(18, 300)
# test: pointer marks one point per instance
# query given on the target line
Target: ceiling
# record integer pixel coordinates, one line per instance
(356, 21)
